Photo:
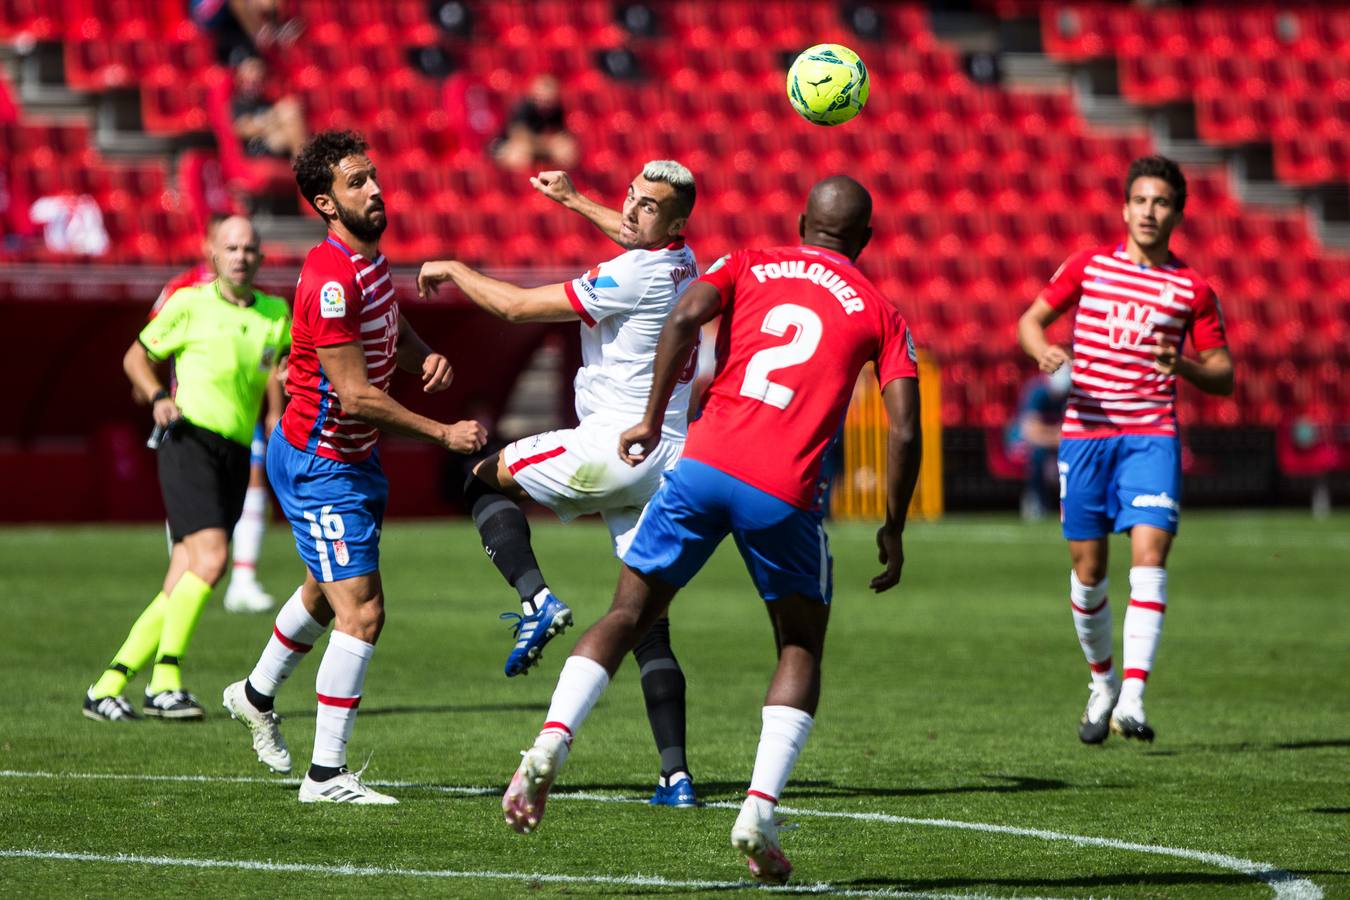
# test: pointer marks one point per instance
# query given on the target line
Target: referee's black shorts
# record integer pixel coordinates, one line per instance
(203, 477)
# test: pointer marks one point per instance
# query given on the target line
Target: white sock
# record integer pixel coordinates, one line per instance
(1143, 627)
(580, 684)
(780, 740)
(293, 635)
(1092, 621)
(248, 534)
(342, 674)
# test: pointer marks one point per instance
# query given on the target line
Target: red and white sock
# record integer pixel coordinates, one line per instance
(342, 674)
(293, 635)
(781, 739)
(580, 684)
(1092, 621)
(248, 534)
(1143, 627)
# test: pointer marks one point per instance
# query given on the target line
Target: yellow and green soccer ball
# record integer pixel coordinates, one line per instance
(827, 84)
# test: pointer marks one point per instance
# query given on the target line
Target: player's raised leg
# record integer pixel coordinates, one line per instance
(492, 496)
(639, 601)
(301, 621)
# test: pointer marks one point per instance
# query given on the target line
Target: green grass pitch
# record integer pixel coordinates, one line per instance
(952, 700)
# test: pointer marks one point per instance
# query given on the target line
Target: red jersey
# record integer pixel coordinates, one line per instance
(341, 298)
(1122, 308)
(198, 274)
(798, 324)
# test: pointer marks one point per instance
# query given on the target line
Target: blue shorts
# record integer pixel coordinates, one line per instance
(336, 509)
(784, 547)
(1115, 483)
(258, 449)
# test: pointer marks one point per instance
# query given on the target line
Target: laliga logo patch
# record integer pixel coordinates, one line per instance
(332, 301)
(340, 553)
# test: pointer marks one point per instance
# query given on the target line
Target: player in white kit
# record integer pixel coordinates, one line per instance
(622, 305)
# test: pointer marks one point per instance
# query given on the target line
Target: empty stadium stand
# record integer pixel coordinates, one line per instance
(980, 190)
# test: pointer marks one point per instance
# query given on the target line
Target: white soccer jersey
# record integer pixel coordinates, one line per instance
(623, 306)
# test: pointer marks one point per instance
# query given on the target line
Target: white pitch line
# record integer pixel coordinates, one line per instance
(1286, 885)
(252, 865)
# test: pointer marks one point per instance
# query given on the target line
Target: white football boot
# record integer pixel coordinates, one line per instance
(1095, 724)
(246, 595)
(344, 787)
(267, 740)
(523, 802)
(1128, 721)
(756, 835)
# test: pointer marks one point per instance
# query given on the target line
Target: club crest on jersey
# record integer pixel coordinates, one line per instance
(596, 280)
(332, 301)
(340, 552)
(1129, 325)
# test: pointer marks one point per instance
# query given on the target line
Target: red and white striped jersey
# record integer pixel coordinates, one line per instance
(341, 298)
(1122, 309)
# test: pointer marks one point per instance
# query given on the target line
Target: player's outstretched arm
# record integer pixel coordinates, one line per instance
(557, 186)
(904, 442)
(413, 355)
(1211, 373)
(501, 298)
(1031, 335)
(699, 304)
(345, 366)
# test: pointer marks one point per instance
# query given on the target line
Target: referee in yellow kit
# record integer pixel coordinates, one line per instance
(226, 340)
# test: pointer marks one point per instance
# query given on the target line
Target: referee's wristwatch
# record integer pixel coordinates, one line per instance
(161, 394)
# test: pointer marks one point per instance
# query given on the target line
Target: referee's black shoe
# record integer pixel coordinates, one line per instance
(108, 709)
(172, 705)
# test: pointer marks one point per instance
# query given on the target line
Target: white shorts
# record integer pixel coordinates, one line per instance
(577, 471)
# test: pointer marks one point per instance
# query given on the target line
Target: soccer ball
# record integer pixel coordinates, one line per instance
(827, 84)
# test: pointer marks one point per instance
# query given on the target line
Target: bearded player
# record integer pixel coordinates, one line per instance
(1119, 453)
(347, 339)
(622, 305)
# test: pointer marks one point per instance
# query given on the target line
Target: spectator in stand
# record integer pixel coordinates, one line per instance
(243, 27)
(536, 134)
(265, 127)
(1033, 439)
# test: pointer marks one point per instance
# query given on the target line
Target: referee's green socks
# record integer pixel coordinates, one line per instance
(137, 650)
(181, 613)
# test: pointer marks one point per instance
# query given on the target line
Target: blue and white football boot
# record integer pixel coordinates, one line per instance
(533, 632)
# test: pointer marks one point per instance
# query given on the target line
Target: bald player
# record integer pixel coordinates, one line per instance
(800, 323)
(225, 339)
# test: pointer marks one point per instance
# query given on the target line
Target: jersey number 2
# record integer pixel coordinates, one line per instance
(795, 352)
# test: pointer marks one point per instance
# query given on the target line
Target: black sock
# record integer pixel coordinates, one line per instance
(506, 537)
(323, 773)
(260, 701)
(663, 689)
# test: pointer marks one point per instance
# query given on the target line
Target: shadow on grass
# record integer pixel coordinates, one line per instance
(1247, 747)
(453, 708)
(816, 789)
(1092, 882)
(1332, 810)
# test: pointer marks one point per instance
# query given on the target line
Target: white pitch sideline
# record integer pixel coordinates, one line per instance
(250, 865)
(1285, 885)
